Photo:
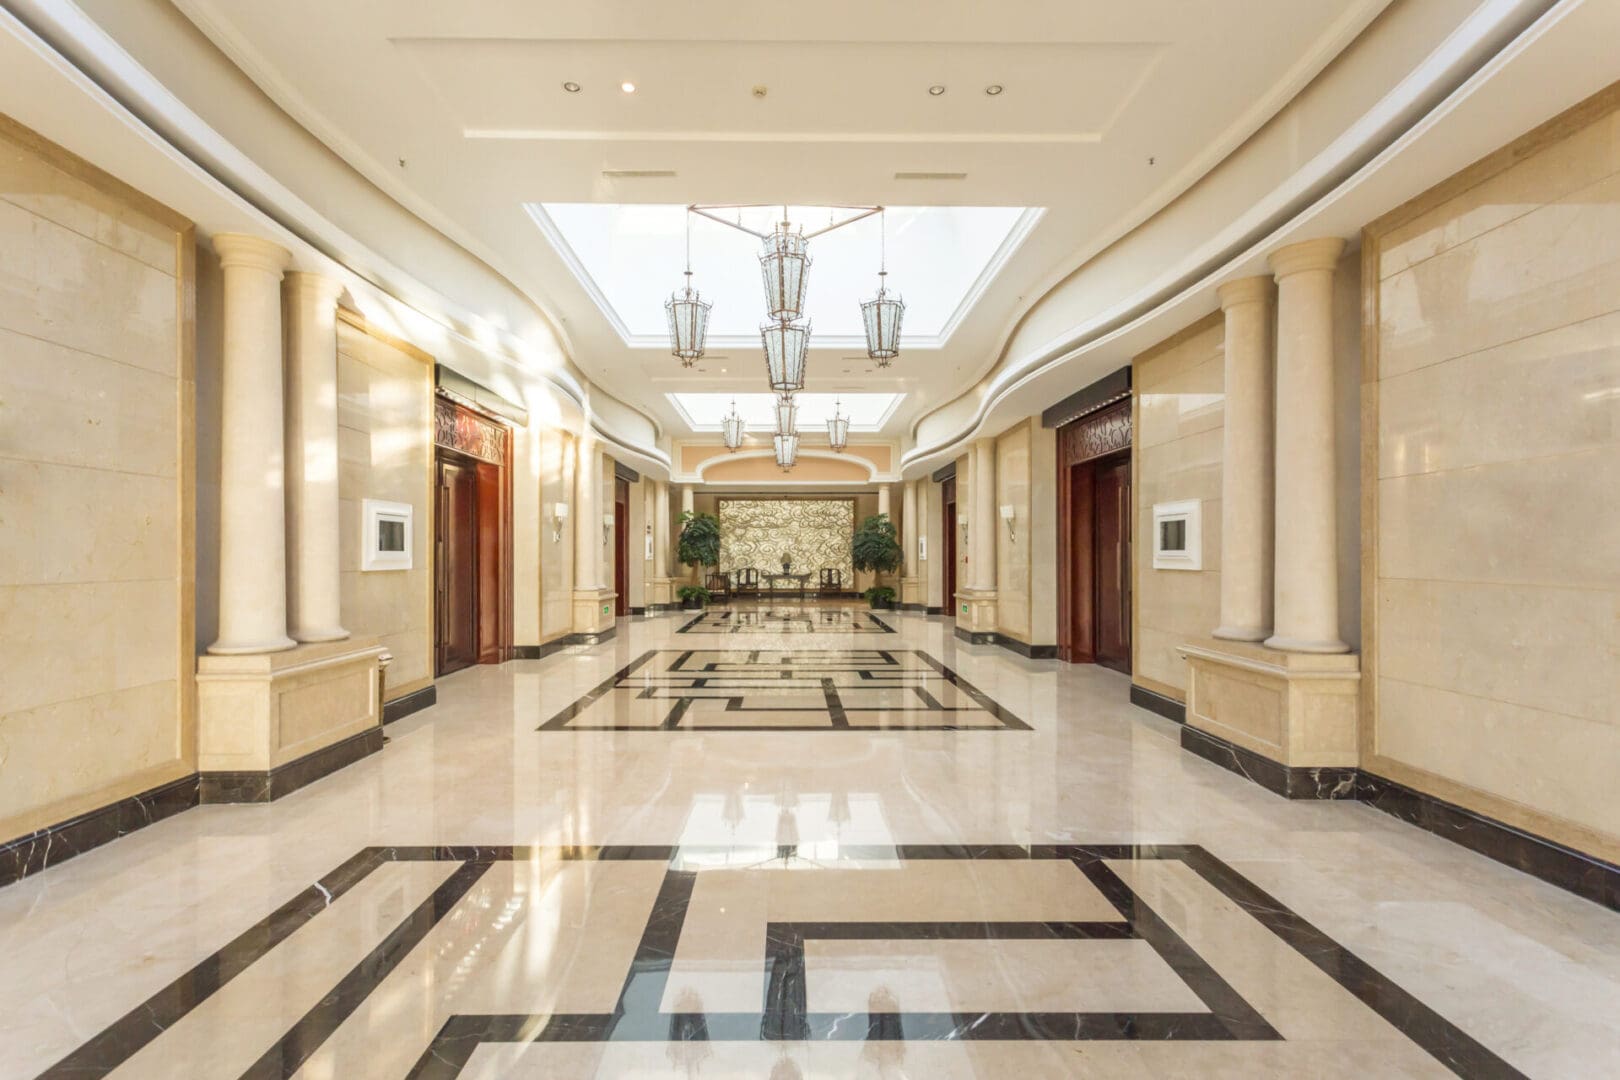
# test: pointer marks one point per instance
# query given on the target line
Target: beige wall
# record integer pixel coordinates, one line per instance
(96, 496)
(385, 451)
(556, 478)
(1491, 473)
(1176, 431)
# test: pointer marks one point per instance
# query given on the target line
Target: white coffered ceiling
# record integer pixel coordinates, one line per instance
(1107, 111)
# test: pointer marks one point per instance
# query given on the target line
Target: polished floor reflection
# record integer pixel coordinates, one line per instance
(499, 895)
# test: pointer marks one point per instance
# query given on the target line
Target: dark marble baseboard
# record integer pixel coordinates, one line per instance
(1552, 862)
(1012, 644)
(933, 610)
(911, 607)
(1167, 707)
(261, 787)
(58, 843)
(982, 637)
(638, 610)
(592, 639)
(1289, 781)
(405, 704)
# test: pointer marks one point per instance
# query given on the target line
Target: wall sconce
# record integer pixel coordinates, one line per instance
(559, 514)
(607, 528)
(1008, 514)
(962, 520)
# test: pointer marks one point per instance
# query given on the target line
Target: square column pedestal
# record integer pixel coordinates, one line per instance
(269, 723)
(912, 593)
(661, 594)
(593, 616)
(1287, 721)
(976, 616)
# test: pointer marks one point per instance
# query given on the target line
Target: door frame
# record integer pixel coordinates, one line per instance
(1097, 439)
(947, 502)
(481, 441)
(621, 547)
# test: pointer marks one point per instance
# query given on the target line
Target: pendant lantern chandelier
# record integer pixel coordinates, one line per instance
(838, 429)
(784, 265)
(688, 314)
(733, 426)
(787, 450)
(787, 415)
(785, 347)
(883, 313)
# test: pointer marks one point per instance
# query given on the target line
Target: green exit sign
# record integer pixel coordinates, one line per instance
(964, 609)
(605, 609)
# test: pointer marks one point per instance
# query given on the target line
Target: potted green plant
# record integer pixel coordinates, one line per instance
(693, 597)
(880, 597)
(699, 542)
(876, 547)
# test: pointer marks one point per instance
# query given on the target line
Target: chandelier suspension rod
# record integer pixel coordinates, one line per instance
(705, 210)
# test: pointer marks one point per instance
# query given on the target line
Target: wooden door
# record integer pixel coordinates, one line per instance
(621, 545)
(488, 526)
(948, 534)
(1112, 563)
(456, 566)
(1077, 642)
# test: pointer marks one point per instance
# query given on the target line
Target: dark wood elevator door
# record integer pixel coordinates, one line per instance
(1113, 566)
(456, 566)
(948, 552)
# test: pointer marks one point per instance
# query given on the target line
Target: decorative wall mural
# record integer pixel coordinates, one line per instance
(813, 533)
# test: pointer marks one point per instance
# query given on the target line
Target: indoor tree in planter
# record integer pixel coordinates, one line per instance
(693, 597)
(699, 543)
(877, 548)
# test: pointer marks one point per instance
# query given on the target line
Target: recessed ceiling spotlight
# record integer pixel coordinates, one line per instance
(628, 87)
(571, 87)
(936, 90)
(993, 89)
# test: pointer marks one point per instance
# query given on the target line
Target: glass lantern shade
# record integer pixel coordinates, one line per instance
(785, 347)
(838, 432)
(784, 265)
(733, 427)
(787, 415)
(882, 315)
(787, 451)
(688, 323)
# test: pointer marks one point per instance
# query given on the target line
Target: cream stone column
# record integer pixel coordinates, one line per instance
(908, 546)
(1307, 593)
(660, 529)
(313, 589)
(984, 515)
(587, 513)
(1246, 461)
(252, 498)
(883, 500)
(686, 508)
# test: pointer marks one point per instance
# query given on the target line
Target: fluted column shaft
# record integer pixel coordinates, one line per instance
(660, 529)
(983, 539)
(587, 514)
(1307, 593)
(908, 530)
(252, 499)
(313, 585)
(883, 500)
(1247, 461)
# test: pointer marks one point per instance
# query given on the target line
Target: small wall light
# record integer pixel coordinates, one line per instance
(962, 520)
(607, 527)
(1008, 514)
(559, 514)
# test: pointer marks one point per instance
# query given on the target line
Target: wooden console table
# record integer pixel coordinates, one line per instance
(801, 582)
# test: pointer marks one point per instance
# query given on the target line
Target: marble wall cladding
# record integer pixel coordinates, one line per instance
(556, 544)
(1013, 600)
(94, 474)
(1177, 433)
(1496, 458)
(385, 451)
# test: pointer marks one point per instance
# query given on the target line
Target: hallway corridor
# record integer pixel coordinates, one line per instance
(805, 842)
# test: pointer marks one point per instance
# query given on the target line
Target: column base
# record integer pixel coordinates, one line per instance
(1242, 633)
(258, 715)
(661, 593)
(251, 648)
(1305, 645)
(1298, 710)
(911, 592)
(311, 637)
(976, 615)
(593, 613)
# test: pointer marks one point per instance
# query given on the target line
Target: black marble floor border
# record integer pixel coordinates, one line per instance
(780, 1016)
(703, 622)
(288, 777)
(60, 842)
(406, 704)
(1167, 707)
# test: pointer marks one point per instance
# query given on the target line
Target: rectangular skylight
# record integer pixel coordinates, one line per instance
(866, 412)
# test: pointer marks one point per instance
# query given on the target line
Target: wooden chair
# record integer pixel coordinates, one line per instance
(719, 586)
(747, 581)
(832, 581)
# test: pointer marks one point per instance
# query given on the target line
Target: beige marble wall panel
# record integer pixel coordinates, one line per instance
(385, 451)
(556, 546)
(1042, 529)
(95, 471)
(1013, 558)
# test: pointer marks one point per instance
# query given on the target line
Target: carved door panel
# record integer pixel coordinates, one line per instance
(456, 566)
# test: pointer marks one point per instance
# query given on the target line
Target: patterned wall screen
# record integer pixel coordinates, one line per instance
(815, 533)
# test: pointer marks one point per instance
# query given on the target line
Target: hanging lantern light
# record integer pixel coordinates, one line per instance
(787, 450)
(883, 313)
(787, 415)
(838, 429)
(785, 347)
(784, 264)
(733, 426)
(688, 314)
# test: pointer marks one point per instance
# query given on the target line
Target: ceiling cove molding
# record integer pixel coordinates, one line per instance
(62, 34)
(873, 475)
(1448, 76)
(1016, 235)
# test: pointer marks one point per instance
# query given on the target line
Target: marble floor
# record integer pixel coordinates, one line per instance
(792, 844)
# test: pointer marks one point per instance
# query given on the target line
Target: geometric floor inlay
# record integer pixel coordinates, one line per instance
(800, 620)
(680, 945)
(785, 690)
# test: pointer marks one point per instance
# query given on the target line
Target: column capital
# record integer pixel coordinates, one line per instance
(1320, 254)
(253, 252)
(1249, 290)
(317, 287)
